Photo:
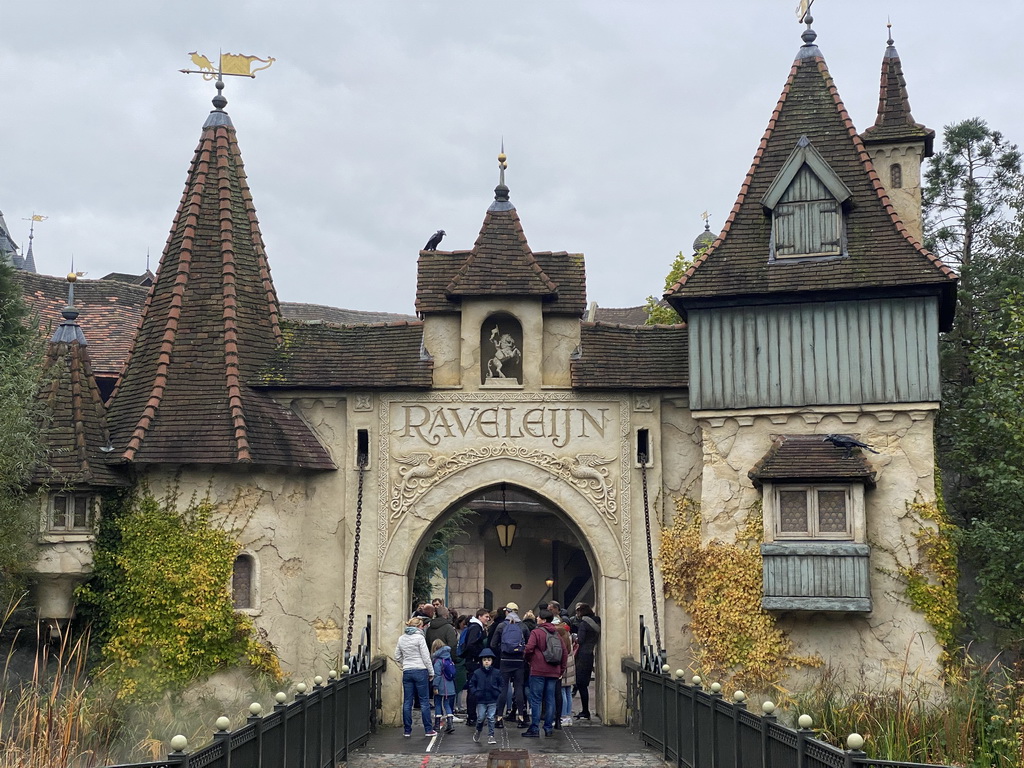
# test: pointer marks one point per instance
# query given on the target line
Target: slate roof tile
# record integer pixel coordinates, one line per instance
(377, 356)
(881, 253)
(209, 324)
(809, 458)
(894, 121)
(631, 356)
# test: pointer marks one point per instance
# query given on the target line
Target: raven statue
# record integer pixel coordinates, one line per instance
(847, 442)
(434, 241)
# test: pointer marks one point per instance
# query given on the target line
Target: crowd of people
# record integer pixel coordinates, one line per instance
(497, 667)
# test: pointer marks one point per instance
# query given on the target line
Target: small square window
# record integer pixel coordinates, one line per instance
(809, 512)
(71, 512)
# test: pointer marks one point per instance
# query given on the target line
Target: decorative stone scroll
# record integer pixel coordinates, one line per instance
(406, 474)
(586, 472)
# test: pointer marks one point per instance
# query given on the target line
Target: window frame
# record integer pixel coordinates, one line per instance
(855, 512)
(253, 608)
(91, 513)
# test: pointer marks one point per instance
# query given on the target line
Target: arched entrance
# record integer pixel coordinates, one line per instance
(479, 483)
(537, 556)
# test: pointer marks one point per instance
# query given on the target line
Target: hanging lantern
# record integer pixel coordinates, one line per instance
(505, 526)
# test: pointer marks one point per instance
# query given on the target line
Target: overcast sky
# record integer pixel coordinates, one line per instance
(380, 122)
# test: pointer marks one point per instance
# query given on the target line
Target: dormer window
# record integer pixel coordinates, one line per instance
(806, 205)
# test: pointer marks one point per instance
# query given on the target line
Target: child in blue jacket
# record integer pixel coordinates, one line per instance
(444, 688)
(487, 685)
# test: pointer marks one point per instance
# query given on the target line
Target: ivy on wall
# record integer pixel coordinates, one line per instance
(931, 581)
(160, 600)
(719, 585)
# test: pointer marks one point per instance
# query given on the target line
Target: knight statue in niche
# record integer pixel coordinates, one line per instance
(505, 366)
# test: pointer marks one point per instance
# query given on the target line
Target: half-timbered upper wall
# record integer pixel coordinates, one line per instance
(874, 351)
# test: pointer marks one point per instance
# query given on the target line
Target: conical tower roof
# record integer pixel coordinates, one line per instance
(880, 256)
(501, 262)
(894, 122)
(75, 435)
(210, 324)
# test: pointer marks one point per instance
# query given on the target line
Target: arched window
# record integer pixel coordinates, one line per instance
(243, 582)
(895, 176)
(501, 351)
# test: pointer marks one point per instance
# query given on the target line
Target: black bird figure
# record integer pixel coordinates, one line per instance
(847, 442)
(434, 241)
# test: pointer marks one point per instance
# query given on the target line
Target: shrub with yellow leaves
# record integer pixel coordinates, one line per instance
(719, 584)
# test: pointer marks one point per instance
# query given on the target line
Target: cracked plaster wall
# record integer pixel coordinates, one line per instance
(871, 648)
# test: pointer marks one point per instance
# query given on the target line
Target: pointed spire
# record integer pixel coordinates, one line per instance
(878, 252)
(894, 121)
(501, 201)
(501, 262)
(75, 433)
(210, 325)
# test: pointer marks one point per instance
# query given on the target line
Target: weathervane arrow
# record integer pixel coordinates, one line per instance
(234, 64)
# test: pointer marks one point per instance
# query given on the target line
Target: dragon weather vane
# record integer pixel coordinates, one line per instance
(235, 64)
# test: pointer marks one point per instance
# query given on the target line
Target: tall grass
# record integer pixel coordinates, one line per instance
(976, 719)
(58, 717)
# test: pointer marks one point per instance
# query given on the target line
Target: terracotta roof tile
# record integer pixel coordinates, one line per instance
(378, 356)
(75, 433)
(209, 325)
(811, 458)
(109, 314)
(881, 253)
(631, 356)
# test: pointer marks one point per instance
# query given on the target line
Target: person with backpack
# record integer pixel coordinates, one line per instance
(547, 656)
(461, 626)
(444, 686)
(509, 643)
(474, 641)
(588, 633)
(485, 686)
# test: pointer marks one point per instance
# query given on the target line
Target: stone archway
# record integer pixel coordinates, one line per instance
(595, 531)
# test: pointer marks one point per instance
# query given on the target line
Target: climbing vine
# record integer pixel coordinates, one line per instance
(719, 585)
(931, 581)
(161, 600)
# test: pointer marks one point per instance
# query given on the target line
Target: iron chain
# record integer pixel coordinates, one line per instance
(650, 555)
(355, 562)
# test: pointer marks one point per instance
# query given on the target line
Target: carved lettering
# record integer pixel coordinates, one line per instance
(558, 424)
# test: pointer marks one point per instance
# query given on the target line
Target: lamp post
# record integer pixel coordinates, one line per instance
(505, 526)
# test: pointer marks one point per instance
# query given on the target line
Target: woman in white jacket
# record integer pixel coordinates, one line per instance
(417, 672)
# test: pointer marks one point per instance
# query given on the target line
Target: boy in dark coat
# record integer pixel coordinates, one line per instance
(486, 685)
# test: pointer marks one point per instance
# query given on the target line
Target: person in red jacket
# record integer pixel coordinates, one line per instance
(543, 675)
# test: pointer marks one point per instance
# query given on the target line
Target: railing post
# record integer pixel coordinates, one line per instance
(179, 756)
(281, 698)
(854, 741)
(716, 697)
(318, 689)
(257, 722)
(768, 708)
(739, 704)
(695, 720)
(347, 683)
(664, 711)
(302, 699)
(803, 733)
(332, 684)
(223, 735)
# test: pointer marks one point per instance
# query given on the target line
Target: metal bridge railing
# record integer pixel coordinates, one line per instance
(698, 727)
(316, 730)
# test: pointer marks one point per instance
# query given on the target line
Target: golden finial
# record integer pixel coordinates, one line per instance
(72, 277)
